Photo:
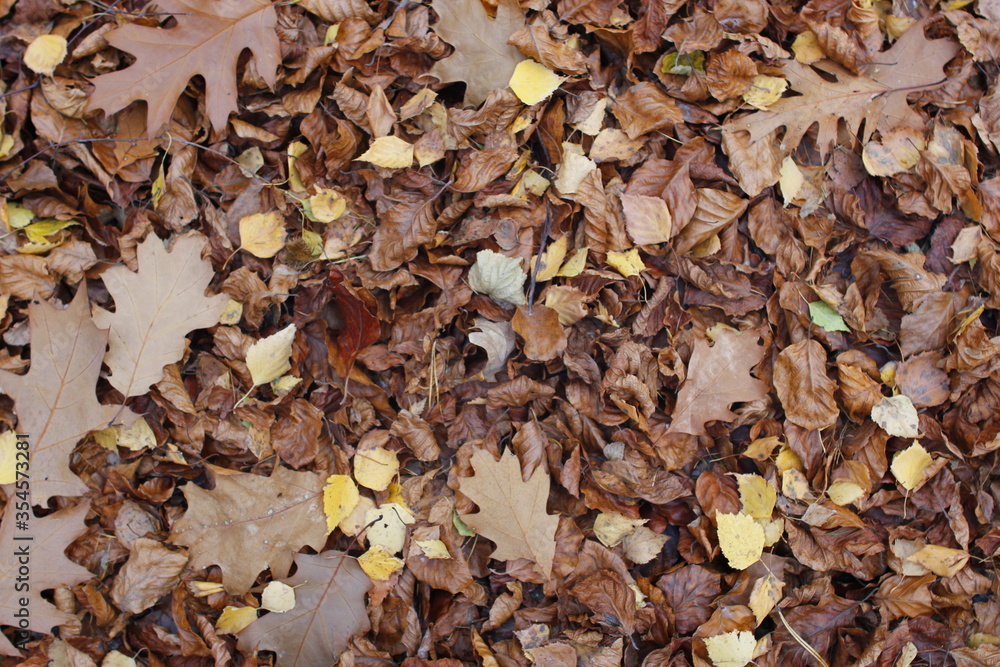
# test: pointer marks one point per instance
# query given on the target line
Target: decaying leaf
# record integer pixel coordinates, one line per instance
(502, 278)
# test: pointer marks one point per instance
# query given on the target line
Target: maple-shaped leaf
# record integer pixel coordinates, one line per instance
(482, 57)
(248, 523)
(55, 401)
(208, 38)
(155, 309)
(913, 64)
(41, 550)
(718, 376)
(511, 511)
(329, 609)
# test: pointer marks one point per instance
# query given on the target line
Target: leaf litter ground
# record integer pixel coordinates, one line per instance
(591, 333)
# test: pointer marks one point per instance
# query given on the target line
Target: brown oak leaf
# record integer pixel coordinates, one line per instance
(718, 376)
(207, 40)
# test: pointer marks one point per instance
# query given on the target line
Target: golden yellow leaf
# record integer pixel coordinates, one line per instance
(234, 619)
(388, 152)
(740, 538)
(295, 149)
(908, 466)
(38, 232)
(611, 528)
(327, 205)
(202, 589)
(626, 263)
(573, 169)
(794, 485)
(764, 595)
(278, 597)
(844, 493)
(267, 359)
(388, 526)
(356, 521)
(791, 180)
(897, 152)
(118, 659)
(806, 48)
(731, 649)
(45, 53)
(379, 564)
(8, 457)
(773, 530)
(575, 265)
(285, 384)
(340, 497)
(262, 234)
(765, 91)
(757, 496)
(942, 561)
(533, 82)
(232, 314)
(435, 549)
(137, 437)
(375, 468)
(551, 259)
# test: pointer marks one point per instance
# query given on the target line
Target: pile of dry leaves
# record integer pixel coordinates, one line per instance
(561, 333)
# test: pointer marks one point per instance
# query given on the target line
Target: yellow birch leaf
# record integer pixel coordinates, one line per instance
(388, 152)
(327, 205)
(791, 180)
(643, 545)
(234, 619)
(278, 597)
(375, 468)
(118, 659)
(908, 466)
(794, 485)
(942, 561)
(806, 48)
(731, 649)
(764, 595)
(626, 263)
(8, 457)
(434, 549)
(45, 53)
(356, 521)
(340, 497)
(18, 216)
(262, 234)
(388, 526)
(611, 528)
(313, 241)
(267, 359)
(765, 91)
(773, 530)
(283, 385)
(572, 170)
(232, 314)
(137, 437)
(379, 564)
(533, 82)
(551, 259)
(757, 496)
(575, 265)
(38, 232)
(897, 416)
(740, 538)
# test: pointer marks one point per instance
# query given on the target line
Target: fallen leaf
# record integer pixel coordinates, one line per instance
(262, 234)
(502, 278)
(757, 496)
(387, 527)
(731, 649)
(268, 358)
(205, 40)
(823, 315)
(45, 53)
(389, 152)
(626, 263)
(532, 82)
(647, 219)
(340, 497)
(155, 309)
(942, 561)
(277, 597)
(330, 589)
(482, 57)
(375, 468)
(897, 416)
(740, 538)
(611, 528)
(909, 466)
(151, 571)
(233, 620)
(511, 511)
(379, 564)
(544, 336)
(497, 338)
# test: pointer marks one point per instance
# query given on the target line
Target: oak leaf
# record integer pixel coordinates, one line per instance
(329, 610)
(56, 402)
(207, 39)
(718, 376)
(248, 523)
(155, 309)
(511, 511)
(49, 567)
(913, 64)
(482, 57)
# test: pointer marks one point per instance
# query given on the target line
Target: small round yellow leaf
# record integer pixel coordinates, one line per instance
(909, 465)
(388, 152)
(278, 597)
(740, 538)
(267, 359)
(45, 53)
(757, 496)
(765, 91)
(327, 205)
(262, 235)
(626, 263)
(379, 564)
(434, 549)
(533, 82)
(375, 468)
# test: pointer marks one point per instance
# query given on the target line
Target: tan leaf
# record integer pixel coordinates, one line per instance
(267, 359)
(544, 337)
(805, 390)
(647, 219)
(151, 571)
(511, 511)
